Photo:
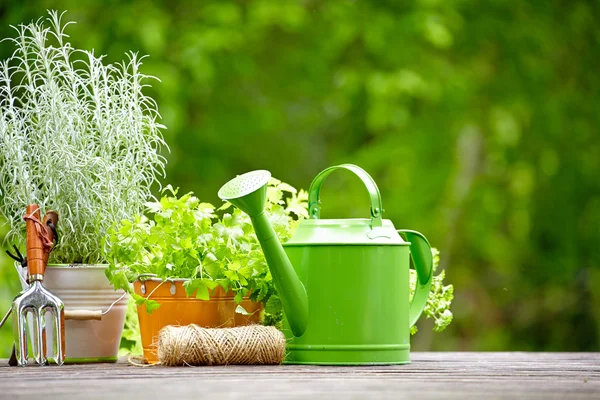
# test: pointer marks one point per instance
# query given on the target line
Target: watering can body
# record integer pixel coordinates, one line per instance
(344, 283)
(358, 298)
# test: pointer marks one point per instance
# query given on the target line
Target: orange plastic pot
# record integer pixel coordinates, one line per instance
(178, 309)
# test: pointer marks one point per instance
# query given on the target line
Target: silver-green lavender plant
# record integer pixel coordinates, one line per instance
(77, 136)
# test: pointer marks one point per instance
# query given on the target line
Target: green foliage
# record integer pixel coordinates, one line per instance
(77, 136)
(440, 297)
(184, 238)
(10, 286)
(131, 341)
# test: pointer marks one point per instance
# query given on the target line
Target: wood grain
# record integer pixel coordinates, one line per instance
(430, 376)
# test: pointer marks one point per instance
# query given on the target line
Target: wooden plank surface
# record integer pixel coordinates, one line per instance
(430, 376)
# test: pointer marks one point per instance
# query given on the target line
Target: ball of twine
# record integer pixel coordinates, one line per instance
(194, 345)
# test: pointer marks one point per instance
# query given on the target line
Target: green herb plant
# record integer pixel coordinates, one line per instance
(77, 136)
(184, 238)
(440, 297)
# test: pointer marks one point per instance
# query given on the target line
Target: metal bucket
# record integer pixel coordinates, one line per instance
(179, 310)
(85, 287)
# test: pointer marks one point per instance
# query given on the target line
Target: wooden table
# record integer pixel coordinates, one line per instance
(431, 375)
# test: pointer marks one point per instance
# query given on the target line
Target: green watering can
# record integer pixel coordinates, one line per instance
(343, 283)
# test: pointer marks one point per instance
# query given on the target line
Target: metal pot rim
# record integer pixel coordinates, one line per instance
(78, 266)
(154, 278)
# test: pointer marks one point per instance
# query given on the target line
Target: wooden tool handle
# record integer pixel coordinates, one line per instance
(51, 216)
(35, 247)
(83, 315)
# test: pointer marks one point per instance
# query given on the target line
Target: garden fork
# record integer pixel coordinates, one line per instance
(36, 299)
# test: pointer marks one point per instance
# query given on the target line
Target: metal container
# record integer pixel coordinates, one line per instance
(85, 287)
(179, 310)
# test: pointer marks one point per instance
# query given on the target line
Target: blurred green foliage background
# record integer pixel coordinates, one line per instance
(478, 120)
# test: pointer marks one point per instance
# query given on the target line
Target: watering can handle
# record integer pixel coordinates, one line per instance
(314, 192)
(420, 253)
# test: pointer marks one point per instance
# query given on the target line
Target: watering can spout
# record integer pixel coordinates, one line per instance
(248, 192)
(290, 288)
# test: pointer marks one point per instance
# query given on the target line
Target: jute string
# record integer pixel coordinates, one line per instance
(193, 345)
(41, 231)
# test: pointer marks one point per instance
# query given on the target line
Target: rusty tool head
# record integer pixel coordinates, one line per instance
(36, 300)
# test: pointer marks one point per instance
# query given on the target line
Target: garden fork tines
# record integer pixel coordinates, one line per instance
(36, 300)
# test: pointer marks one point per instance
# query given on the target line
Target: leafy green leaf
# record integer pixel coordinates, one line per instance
(119, 280)
(286, 188)
(169, 189)
(225, 206)
(211, 265)
(154, 206)
(212, 285)
(273, 305)
(204, 211)
(246, 271)
(234, 266)
(238, 297)
(191, 286)
(241, 310)
(298, 204)
(151, 305)
(202, 291)
(139, 300)
(224, 283)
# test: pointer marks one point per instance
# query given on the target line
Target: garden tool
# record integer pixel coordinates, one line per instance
(36, 299)
(343, 283)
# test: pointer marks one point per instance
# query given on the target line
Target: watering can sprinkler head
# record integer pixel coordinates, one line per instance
(248, 192)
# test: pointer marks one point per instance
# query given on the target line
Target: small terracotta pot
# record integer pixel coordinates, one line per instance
(178, 309)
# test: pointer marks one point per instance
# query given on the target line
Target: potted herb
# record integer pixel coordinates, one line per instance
(192, 263)
(78, 136)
